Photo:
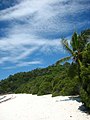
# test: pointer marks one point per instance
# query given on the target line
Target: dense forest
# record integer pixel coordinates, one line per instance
(58, 79)
(54, 79)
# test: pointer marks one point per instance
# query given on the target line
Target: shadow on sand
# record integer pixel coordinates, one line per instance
(7, 99)
(74, 98)
(77, 98)
(2, 97)
(82, 108)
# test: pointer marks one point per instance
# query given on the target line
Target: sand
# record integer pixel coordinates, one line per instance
(33, 107)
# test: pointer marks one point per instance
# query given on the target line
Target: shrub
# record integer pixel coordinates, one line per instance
(45, 88)
(85, 88)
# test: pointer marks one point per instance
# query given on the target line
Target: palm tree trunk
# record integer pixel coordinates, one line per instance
(80, 80)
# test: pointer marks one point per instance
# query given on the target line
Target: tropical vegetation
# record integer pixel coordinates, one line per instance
(79, 50)
(58, 79)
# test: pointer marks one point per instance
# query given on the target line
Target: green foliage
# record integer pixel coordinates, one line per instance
(50, 80)
(66, 87)
(86, 55)
(66, 79)
(73, 70)
(85, 98)
(85, 75)
(80, 52)
(71, 87)
(75, 42)
(45, 88)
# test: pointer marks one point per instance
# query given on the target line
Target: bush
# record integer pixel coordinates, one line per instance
(85, 88)
(85, 98)
(45, 88)
(66, 87)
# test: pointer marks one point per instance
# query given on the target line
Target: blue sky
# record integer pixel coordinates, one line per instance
(31, 30)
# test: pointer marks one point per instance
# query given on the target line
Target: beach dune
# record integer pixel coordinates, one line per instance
(33, 107)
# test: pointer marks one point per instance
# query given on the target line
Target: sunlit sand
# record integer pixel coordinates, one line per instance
(33, 107)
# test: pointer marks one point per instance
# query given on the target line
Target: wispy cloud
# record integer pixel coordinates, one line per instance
(44, 8)
(22, 64)
(15, 49)
(36, 26)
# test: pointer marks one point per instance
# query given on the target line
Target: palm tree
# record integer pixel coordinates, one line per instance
(75, 48)
(77, 44)
(72, 49)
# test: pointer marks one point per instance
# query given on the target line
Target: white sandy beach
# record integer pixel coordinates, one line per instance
(32, 107)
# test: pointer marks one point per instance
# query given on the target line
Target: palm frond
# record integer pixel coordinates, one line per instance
(63, 60)
(74, 42)
(66, 46)
(80, 63)
(86, 34)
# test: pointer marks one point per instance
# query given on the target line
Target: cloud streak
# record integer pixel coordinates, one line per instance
(36, 26)
(23, 64)
(18, 49)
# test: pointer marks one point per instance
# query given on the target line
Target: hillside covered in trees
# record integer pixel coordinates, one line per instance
(54, 79)
(66, 79)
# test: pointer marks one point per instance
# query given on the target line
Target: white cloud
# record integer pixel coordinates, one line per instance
(25, 8)
(28, 63)
(33, 22)
(19, 47)
(45, 8)
(22, 64)
(14, 56)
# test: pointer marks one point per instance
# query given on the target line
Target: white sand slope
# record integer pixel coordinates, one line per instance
(32, 107)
